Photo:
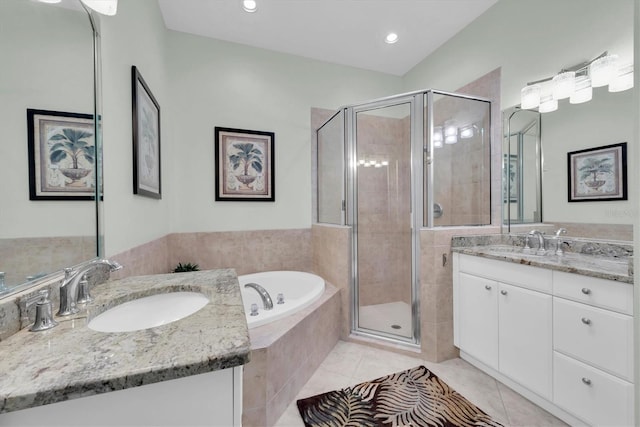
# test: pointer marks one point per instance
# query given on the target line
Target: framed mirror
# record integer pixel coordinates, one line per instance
(51, 147)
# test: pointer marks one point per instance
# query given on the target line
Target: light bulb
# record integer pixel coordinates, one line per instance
(530, 97)
(623, 79)
(391, 38)
(466, 133)
(563, 84)
(249, 5)
(104, 7)
(451, 139)
(450, 130)
(437, 136)
(583, 92)
(548, 104)
(602, 70)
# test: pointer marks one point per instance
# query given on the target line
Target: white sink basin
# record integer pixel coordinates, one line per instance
(149, 312)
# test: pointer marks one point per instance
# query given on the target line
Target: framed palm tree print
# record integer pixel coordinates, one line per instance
(62, 155)
(598, 174)
(146, 138)
(244, 165)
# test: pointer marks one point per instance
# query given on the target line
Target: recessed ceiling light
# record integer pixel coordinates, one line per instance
(391, 38)
(49, 1)
(249, 5)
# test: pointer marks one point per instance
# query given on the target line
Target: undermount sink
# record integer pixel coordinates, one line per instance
(149, 312)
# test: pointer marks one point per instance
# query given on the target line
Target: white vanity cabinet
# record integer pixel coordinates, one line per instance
(525, 337)
(563, 340)
(477, 320)
(505, 327)
(593, 348)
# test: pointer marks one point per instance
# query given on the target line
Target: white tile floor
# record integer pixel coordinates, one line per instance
(349, 364)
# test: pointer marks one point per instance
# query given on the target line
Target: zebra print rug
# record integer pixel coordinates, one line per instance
(415, 397)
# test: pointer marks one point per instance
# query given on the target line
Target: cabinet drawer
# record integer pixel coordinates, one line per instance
(591, 395)
(599, 337)
(607, 294)
(538, 279)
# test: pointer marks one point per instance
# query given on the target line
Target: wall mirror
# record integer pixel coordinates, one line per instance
(521, 167)
(48, 209)
(535, 148)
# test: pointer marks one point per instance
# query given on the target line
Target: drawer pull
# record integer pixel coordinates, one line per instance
(586, 291)
(586, 321)
(503, 292)
(487, 287)
(587, 381)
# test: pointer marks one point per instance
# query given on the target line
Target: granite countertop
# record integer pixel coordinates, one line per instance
(603, 259)
(71, 360)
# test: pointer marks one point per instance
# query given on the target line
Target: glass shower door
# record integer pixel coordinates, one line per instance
(382, 224)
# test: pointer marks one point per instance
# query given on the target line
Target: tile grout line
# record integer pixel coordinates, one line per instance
(506, 411)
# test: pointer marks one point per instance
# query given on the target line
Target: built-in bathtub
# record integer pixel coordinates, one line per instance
(286, 349)
(298, 290)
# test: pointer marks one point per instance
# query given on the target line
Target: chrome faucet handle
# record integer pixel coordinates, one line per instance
(44, 311)
(83, 291)
(560, 231)
(68, 294)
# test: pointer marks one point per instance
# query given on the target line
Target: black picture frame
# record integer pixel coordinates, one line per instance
(598, 174)
(62, 155)
(254, 152)
(147, 167)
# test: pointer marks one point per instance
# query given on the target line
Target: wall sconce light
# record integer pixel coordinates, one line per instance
(104, 7)
(577, 83)
(602, 70)
(583, 90)
(622, 79)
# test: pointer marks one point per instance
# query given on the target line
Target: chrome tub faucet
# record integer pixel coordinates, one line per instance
(267, 302)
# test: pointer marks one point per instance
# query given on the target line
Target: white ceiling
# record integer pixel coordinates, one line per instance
(347, 32)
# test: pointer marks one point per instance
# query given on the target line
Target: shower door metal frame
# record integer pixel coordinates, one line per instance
(429, 152)
(416, 103)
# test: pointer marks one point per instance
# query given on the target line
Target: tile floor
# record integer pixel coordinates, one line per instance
(350, 363)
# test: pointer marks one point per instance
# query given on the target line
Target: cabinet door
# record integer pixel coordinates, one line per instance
(525, 337)
(478, 318)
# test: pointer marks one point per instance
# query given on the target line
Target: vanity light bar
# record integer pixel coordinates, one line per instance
(577, 83)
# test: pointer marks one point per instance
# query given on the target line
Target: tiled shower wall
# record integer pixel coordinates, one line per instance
(384, 234)
(461, 171)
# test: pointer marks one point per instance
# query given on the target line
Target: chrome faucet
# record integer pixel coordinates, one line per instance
(69, 286)
(560, 231)
(541, 249)
(264, 295)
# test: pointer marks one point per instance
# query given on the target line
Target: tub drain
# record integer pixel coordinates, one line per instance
(396, 327)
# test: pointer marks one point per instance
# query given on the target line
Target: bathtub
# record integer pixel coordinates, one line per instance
(298, 288)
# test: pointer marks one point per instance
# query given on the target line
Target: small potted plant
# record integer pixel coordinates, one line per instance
(181, 268)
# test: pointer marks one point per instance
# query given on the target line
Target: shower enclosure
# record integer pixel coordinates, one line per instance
(388, 168)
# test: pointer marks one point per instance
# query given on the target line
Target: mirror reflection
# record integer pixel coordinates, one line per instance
(49, 221)
(522, 166)
(605, 120)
